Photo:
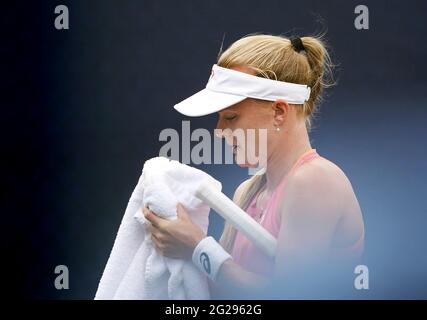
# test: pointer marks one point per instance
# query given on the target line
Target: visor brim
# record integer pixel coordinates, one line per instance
(206, 102)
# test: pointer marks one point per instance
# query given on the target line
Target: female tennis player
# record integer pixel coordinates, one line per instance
(304, 200)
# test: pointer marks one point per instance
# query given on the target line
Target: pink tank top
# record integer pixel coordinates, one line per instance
(244, 252)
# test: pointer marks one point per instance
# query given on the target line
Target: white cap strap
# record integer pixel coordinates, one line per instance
(224, 80)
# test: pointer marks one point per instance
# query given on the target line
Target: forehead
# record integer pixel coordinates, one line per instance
(233, 108)
(236, 107)
(247, 105)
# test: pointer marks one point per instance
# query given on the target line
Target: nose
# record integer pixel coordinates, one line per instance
(223, 131)
(220, 123)
(219, 130)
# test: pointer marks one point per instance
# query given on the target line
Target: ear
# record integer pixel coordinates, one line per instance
(281, 111)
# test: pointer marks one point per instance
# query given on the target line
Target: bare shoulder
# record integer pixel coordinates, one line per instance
(322, 177)
(319, 187)
(320, 191)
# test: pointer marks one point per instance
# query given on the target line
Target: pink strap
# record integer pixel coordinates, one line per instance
(274, 201)
(305, 157)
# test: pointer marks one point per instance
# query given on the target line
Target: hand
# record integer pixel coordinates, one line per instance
(174, 238)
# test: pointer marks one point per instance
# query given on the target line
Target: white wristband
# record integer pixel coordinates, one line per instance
(208, 256)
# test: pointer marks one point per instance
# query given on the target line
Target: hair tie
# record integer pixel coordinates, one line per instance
(297, 44)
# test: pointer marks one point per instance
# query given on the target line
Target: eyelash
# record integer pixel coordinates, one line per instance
(230, 118)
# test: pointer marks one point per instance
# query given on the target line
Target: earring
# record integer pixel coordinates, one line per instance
(277, 129)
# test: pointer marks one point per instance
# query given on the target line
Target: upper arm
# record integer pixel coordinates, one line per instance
(309, 215)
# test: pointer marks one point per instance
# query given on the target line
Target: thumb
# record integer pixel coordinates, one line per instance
(181, 212)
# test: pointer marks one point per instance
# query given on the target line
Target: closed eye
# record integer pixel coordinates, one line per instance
(229, 118)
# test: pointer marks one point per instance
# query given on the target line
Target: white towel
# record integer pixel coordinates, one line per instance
(135, 270)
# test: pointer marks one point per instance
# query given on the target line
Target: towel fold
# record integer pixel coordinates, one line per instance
(135, 270)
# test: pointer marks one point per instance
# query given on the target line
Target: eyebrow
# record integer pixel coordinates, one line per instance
(227, 110)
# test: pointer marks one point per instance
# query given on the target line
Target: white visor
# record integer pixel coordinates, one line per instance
(227, 87)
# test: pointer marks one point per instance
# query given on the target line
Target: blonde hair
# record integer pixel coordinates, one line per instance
(274, 57)
(242, 199)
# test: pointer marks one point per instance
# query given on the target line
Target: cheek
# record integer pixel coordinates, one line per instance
(254, 149)
(271, 141)
(249, 125)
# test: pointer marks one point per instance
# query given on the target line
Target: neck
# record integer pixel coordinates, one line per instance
(294, 144)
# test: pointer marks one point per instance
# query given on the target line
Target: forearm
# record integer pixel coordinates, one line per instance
(225, 274)
(231, 275)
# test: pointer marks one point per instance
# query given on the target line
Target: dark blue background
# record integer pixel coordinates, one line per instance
(82, 110)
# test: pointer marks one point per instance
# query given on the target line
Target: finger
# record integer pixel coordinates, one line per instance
(181, 212)
(154, 219)
(151, 228)
(157, 245)
(158, 235)
(154, 240)
(167, 250)
(145, 211)
(170, 254)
